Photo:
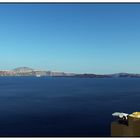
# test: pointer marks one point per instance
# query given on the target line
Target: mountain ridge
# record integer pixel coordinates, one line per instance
(27, 71)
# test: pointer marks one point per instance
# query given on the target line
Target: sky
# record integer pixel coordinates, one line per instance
(79, 38)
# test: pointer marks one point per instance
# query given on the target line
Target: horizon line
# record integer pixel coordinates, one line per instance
(70, 72)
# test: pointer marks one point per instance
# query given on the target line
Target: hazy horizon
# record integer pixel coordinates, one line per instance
(77, 38)
(66, 71)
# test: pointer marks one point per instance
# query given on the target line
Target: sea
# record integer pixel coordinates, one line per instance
(64, 106)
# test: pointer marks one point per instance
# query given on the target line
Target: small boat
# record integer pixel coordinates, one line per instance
(38, 75)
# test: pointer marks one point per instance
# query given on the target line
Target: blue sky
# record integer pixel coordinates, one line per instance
(81, 38)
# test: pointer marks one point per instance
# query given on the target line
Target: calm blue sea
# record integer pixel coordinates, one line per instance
(48, 106)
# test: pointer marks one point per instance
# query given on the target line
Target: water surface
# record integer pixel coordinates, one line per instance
(48, 106)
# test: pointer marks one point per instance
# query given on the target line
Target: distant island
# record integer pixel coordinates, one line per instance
(26, 71)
